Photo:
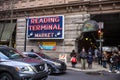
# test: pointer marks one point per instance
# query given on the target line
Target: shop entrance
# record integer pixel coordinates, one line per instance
(111, 31)
(88, 41)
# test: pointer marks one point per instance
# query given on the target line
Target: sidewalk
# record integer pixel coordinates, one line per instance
(95, 67)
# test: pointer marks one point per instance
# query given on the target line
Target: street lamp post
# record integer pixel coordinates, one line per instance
(100, 35)
(26, 15)
(11, 18)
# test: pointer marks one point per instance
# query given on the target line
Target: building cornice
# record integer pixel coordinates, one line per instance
(100, 7)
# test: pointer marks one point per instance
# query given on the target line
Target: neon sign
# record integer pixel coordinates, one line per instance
(45, 27)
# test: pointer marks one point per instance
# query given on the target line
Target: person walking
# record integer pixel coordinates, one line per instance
(113, 62)
(96, 55)
(91, 51)
(104, 59)
(32, 50)
(73, 61)
(83, 57)
(99, 55)
(89, 60)
(73, 53)
(118, 62)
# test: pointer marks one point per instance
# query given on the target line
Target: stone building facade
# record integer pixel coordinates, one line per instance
(75, 13)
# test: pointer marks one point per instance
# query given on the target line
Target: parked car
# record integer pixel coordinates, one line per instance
(54, 65)
(16, 66)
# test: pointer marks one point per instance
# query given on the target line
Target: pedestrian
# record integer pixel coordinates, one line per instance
(89, 60)
(73, 61)
(83, 57)
(96, 55)
(73, 53)
(99, 54)
(91, 51)
(104, 59)
(118, 62)
(32, 50)
(113, 62)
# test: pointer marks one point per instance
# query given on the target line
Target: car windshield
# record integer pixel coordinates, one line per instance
(11, 53)
(45, 56)
(33, 56)
(2, 56)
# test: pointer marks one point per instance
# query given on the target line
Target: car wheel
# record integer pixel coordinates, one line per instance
(49, 70)
(5, 76)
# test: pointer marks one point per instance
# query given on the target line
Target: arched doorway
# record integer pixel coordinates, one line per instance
(88, 40)
(88, 36)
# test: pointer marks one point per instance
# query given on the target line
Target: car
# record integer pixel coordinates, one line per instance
(17, 66)
(54, 65)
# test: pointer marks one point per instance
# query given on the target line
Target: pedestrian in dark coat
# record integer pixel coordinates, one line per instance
(89, 60)
(99, 54)
(83, 57)
(73, 53)
(32, 50)
(118, 62)
(114, 62)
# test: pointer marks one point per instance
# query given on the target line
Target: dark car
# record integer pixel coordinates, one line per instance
(16, 66)
(54, 65)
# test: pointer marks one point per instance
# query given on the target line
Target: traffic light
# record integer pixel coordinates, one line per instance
(100, 34)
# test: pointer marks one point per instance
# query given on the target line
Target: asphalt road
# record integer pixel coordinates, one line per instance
(77, 75)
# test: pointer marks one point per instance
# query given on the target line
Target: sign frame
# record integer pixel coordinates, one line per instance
(61, 23)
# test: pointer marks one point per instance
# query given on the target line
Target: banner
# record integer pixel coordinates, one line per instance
(47, 27)
(48, 45)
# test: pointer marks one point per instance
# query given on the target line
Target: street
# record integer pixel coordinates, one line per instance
(77, 75)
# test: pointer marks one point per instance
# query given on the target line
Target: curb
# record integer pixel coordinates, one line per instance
(87, 70)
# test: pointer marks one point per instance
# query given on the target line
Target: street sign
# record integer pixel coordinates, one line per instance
(101, 25)
(102, 40)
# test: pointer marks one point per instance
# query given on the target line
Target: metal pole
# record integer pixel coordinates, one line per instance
(11, 19)
(100, 41)
(101, 34)
(25, 36)
(100, 45)
(25, 32)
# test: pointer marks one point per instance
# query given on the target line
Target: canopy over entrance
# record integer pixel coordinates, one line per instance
(89, 26)
(89, 35)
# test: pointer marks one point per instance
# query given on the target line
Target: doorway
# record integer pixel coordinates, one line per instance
(111, 31)
(88, 41)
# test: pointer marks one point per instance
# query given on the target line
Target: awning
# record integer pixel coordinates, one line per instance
(7, 31)
(90, 25)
